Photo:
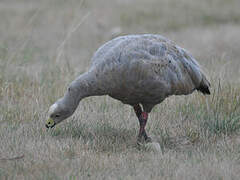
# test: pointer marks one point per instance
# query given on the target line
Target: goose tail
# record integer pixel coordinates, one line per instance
(204, 86)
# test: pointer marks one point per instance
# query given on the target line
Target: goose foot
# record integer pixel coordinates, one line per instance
(143, 138)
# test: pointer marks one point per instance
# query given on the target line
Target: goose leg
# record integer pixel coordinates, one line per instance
(142, 118)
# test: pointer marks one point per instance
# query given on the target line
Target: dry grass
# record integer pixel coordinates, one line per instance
(199, 135)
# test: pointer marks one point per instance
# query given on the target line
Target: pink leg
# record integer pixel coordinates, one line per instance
(142, 117)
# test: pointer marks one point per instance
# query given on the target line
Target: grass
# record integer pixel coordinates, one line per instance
(175, 15)
(199, 136)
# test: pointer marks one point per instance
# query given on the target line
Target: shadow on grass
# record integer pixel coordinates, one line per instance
(103, 137)
(100, 137)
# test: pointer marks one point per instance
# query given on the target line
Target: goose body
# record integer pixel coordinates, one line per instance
(136, 69)
(144, 69)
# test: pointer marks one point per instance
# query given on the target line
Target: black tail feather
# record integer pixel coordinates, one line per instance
(204, 89)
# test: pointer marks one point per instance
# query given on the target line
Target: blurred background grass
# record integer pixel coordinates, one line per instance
(198, 135)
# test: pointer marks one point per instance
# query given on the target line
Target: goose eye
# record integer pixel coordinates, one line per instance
(57, 115)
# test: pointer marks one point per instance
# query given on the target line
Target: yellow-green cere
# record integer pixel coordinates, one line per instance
(50, 122)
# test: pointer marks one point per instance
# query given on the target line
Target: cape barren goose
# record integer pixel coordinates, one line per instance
(139, 70)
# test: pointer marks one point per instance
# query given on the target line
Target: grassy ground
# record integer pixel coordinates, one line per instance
(199, 135)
